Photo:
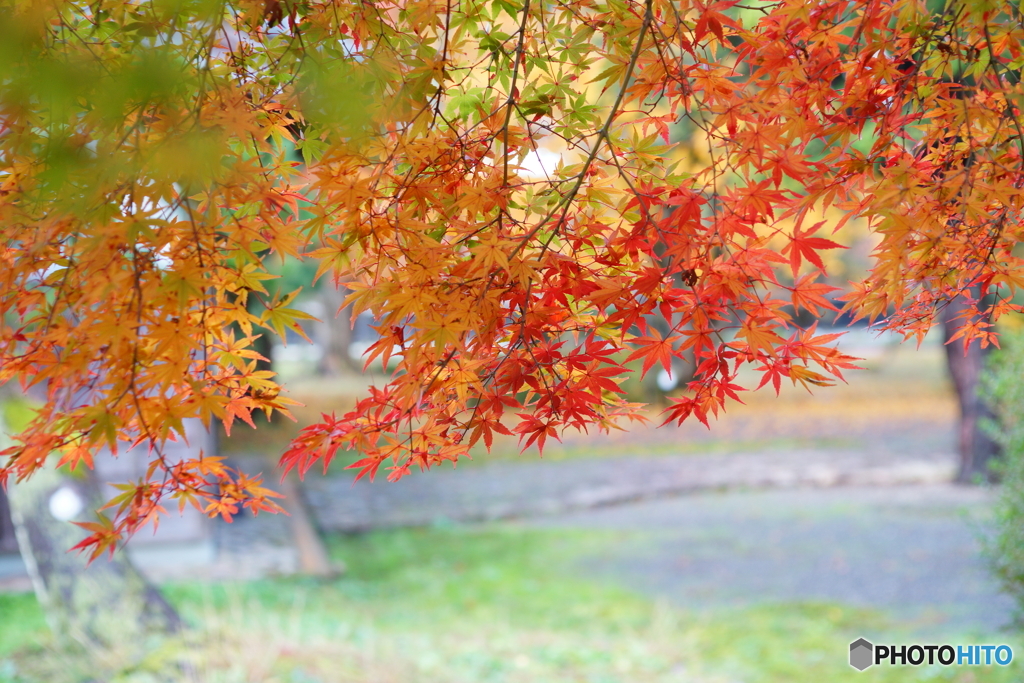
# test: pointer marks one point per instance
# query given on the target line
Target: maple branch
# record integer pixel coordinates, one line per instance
(512, 90)
(602, 135)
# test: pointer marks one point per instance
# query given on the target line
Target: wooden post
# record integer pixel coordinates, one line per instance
(313, 557)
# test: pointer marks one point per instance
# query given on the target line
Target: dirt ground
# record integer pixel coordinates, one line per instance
(911, 552)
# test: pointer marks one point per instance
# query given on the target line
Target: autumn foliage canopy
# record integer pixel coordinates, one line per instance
(156, 155)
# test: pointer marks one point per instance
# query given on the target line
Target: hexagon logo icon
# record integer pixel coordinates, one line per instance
(861, 654)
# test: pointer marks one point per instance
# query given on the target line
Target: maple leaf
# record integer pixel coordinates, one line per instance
(493, 251)
(280, 317)
(226, 506)
(103, 538)
(810, 295)
(760, 337)
(76, 455)
(535, 430)
(485, 428)
(802, 246)
(773, 372)
(655, 349)
(800, 373)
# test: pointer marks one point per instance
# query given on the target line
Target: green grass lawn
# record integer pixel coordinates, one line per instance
(481, 605)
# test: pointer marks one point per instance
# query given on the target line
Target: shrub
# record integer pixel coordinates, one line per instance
(1002, 385)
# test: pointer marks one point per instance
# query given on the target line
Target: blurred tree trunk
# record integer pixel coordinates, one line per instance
(106, 604)
(337, 332)
(8, 543)
(977, 449)
(263, 345)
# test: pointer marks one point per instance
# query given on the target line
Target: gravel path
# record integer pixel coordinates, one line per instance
(508, 490)
(911, 551)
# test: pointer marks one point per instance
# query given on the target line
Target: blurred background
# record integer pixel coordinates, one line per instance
(753, 550)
